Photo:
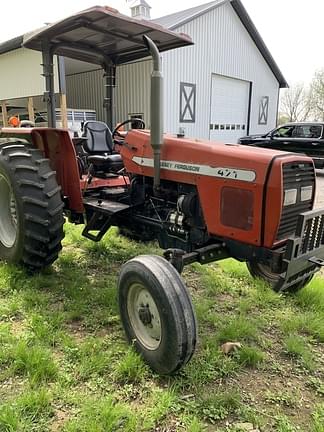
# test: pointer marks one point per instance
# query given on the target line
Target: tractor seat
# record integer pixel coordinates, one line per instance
(100, 147)
(111, 163)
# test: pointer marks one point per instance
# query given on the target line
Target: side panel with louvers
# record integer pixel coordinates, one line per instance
(295, 176)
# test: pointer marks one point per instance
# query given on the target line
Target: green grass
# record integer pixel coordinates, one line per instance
(318, 418)
(250, 356)
(217, 406)
(103, 416)
(65, 364)
(239, 328)
(297, 347)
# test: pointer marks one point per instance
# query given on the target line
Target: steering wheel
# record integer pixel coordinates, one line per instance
(115, 132)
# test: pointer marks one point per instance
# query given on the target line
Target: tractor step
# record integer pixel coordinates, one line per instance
(104, 206)
(99, 216)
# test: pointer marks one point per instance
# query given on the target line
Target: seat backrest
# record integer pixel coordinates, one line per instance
(99, 138)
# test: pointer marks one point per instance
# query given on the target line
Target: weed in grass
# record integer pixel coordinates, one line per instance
(296, 347)
(34, 300)
(312, 296)
(12, 278)
(131, 368)
(247, 413)
(215, 407)
(161, 404)
(5, 334)
(282, 424)
(317, 384)
(215, 281)
(259, 297)
(35, 404)
(34, 362)
(103, 416)
(235, 269)
(92, 357)
(238, 329)
(309, 322)
(10, 309)
(206, 366)
(9, 419)
(249, 356)
(283, 398)
(318, 419)
(47, 329)
(192, 424)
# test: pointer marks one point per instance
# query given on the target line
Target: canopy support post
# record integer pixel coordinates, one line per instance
(110, 83)
(30, 107)
(4, 114)
(48, 73)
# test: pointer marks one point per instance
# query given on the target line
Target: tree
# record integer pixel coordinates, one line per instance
(295, 103)
(317, 96)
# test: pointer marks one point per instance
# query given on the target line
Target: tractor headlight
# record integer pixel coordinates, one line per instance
(290, 197)
(306, 193)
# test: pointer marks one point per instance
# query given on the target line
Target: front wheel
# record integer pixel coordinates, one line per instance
(157, 313)
(264, 272)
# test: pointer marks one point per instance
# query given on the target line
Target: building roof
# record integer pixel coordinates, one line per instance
(175, 20)
(179, 18)
(11, 44)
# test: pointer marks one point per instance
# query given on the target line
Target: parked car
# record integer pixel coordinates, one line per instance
(303, 137)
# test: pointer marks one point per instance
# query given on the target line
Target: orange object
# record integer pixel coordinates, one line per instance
(14, 121)
(120, 128)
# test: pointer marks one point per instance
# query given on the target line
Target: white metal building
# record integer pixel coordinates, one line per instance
(224, 86)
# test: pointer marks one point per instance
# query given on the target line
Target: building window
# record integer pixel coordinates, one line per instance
(187, 103)
(263, 110)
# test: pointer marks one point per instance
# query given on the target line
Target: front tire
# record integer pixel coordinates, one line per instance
(157, 313)
(264, 272)
(31, 209)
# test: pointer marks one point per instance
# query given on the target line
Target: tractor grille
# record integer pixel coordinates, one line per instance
(295, 176)
(313, 235)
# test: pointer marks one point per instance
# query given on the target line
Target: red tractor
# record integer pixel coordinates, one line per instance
(201, 201)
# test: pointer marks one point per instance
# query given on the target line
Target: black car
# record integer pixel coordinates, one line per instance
(307, 138)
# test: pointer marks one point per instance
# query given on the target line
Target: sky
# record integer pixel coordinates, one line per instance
(291, 29)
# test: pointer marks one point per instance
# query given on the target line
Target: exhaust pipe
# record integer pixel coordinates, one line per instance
(156, 109)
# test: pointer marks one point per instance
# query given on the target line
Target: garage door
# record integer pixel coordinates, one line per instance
(229, 109)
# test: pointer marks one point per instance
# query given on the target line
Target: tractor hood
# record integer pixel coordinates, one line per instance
(102, 35)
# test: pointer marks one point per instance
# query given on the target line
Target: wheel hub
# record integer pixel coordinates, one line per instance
(145, 314)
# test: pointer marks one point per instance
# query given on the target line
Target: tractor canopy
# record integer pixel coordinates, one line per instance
(102, 35)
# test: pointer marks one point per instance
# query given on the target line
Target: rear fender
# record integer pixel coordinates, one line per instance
(57, 146)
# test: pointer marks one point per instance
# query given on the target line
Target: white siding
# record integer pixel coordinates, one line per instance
(222, 46)
(86, 91)
(132, 93)
(20, 72)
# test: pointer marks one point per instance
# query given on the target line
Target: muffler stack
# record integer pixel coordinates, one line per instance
(156, 109)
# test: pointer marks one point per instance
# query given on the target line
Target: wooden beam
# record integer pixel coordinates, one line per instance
(31, 113)
(63, 111)
(4, 114)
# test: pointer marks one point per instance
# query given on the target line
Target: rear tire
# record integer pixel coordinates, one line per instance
(31, 209)
(157, 313)
(262, 271)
